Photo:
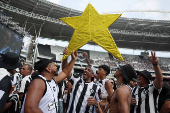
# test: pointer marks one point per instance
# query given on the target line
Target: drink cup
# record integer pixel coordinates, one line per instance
(65, 91)
(104, 99)
(90, 104)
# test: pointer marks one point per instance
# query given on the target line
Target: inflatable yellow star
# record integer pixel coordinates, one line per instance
(91, 26)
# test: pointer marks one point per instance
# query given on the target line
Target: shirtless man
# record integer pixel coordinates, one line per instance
(120, 102)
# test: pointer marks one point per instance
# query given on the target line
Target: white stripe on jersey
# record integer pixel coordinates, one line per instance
(81, 91)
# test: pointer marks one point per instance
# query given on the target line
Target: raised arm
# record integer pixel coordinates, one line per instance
(66, 71)
(86, 57)
(159, 78)
(64, 62)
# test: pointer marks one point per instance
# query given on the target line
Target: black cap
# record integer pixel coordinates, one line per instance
(128, 72)
(42, 64)
(145, 73)
(106, 68)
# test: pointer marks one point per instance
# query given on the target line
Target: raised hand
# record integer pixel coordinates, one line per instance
(65, 52)
(153, 59)
(74, 55)
(85, 54)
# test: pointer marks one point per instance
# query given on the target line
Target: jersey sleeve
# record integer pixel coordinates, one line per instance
(159, 90)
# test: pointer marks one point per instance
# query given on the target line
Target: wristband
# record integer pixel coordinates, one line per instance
(155, 64)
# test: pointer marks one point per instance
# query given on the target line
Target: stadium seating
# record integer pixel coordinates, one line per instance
(98, 58)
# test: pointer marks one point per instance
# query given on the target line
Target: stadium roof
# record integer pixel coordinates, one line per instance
(41, 18)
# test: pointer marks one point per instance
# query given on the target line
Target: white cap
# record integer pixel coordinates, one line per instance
(17, 69)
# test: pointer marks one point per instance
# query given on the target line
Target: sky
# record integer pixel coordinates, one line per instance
(110, 6)
(113, 6)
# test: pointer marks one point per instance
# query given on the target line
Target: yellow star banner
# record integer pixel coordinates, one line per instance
(91, 26)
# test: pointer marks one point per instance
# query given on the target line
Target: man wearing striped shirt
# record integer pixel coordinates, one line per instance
(84, 94)
(26, 73)
(146, 95)
(42, 94)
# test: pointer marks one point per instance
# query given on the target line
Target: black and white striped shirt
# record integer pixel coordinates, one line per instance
(147, 99)
(25, 83)
(24, 86)
(81, 91)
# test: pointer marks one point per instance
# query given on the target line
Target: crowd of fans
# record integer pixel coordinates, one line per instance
(52, 91)
(138, 62)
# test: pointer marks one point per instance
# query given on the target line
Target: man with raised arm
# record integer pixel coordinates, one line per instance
(84, 94)
(42, 95)
(147, 93)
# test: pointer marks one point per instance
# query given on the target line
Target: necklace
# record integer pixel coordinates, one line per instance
(121, 85)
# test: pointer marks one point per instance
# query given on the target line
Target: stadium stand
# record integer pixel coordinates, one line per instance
(45, 50)
(98, 58)
(45, 12)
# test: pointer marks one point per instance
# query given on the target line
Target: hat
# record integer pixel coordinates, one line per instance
(106, 68)
(145, 73)
(128, 72)
(10, 61)
(42, 64)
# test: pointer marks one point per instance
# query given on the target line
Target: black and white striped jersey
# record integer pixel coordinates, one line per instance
(16, 78)
(25, 83)
(16, 81)
(81, 91)
(147, 99)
